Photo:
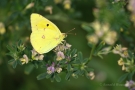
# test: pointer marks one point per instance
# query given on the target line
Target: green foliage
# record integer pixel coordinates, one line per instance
(116, 26)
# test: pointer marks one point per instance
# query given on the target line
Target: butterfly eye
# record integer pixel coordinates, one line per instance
(47, 25)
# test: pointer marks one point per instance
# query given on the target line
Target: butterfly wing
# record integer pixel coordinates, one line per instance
(43, 41)
(43, 37)
(38, 22)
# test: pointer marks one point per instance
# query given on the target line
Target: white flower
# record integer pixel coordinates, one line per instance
(58, 69)
(49, 9)
(24, 59)
(92, 39)
(34, 53)
(92, 75)
(40, 57)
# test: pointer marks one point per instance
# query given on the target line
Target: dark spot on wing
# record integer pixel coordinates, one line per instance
(47, 25)
(43, 36)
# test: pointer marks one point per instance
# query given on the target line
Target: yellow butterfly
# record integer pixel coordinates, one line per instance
(45, 35)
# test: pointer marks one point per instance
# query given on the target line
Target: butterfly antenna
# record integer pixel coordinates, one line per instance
(70, 31)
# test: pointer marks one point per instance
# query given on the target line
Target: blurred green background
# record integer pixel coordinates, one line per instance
(16, 19)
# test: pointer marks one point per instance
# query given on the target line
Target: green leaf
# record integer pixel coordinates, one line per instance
(9, 48)
(28, 69)
(19, 62)
(123, 77)
(41, 76)
(68, 75)
(81, 72)
(100, 56)
(48, 75)
(130, 76)
(99, 47)
(57, 78)
(80, 57)
(85, 60)
(87, 28)
(10, 54)
(69, 67)
(36, 65)
(19, 42)
(14, 64)
(11, 61)
(90, 45)
(73, 52)
(131, 55)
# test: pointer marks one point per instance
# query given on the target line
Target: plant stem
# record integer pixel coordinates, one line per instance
(91, 53)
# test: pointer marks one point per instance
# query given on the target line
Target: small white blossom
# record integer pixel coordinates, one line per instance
(58, 70)
(24, 59)
(40, 57)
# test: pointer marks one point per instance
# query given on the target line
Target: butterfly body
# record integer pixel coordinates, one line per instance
(45, 35)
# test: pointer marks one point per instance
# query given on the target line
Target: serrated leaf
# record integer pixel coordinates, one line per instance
(41, 76)
(57, 78)
(123, 77)
(14, 64)
(11, 61)
(67, 77)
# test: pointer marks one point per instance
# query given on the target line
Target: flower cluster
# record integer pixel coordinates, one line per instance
(103, 32)
(53, 68)
(131, 7)
(91, 75)
(126, 60)
(66, 3)
(130, 84)
(60, 50)
(122, 51)
(36, 56)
